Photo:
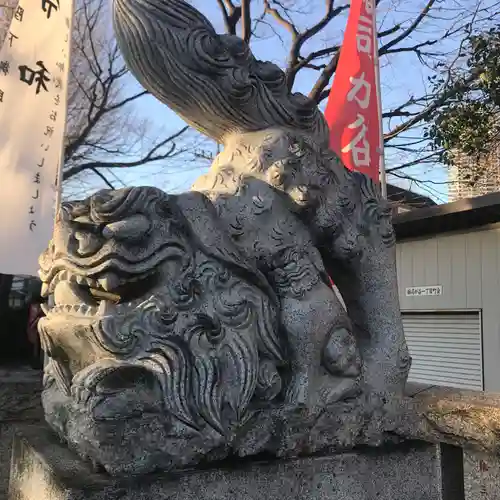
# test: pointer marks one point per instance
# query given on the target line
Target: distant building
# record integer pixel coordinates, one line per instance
(485, 175)
(404, 200)
(449, 283)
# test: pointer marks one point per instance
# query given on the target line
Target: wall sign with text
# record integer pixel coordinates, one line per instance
(424, 291)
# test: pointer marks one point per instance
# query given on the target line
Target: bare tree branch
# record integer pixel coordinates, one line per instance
(103, 129)
(149, 157)
(225, 15)
(415, 48)
(318, 91)
(274, 12)
(389, 31)
(246, 20)
(302, 38)
(295, 60)
(103, 177)
(231, 15)
(427, 112)
(419, 161)
(410, 30)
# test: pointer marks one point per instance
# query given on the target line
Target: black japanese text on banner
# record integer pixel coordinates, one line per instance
(34, 64)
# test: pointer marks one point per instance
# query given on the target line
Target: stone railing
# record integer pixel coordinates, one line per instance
(449, 450)
(465, 428)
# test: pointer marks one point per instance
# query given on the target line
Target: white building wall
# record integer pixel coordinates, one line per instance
(467, 266)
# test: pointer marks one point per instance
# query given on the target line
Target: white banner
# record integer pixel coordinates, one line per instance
(34, 63)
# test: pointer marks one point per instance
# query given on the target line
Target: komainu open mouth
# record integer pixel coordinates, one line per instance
(71, 293)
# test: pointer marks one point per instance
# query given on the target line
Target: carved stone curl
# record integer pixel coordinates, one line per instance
(187, 328)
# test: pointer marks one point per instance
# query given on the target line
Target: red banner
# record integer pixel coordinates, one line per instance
(353, 111)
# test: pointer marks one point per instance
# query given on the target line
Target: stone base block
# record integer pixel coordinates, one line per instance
(482, 476)
(20, 404)
(44, 469)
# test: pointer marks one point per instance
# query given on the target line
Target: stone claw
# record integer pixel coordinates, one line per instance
(298, 391)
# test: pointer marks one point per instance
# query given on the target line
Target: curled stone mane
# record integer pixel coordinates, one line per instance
(212, 81)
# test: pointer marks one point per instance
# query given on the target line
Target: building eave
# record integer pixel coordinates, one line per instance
(456, 216)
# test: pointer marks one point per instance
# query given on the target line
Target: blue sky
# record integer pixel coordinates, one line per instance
(402, 76)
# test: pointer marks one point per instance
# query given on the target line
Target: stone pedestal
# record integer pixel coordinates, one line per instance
(482, 476)
(43, 469)
(20, 405)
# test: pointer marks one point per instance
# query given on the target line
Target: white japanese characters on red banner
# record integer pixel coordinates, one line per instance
(352, 112)
(34, 68)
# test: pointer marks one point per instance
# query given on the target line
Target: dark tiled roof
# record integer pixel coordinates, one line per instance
(456, 216)
(405, 197)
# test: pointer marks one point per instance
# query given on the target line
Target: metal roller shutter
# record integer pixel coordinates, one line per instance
(446, 348)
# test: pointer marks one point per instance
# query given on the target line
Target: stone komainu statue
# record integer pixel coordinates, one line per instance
(186, 328)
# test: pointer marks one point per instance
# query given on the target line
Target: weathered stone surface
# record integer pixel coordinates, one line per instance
(482, 476)
(465, 419)
(207, 354)
(20, 392)
(468, 419)
(276, 159)
(20, 404)
(184, 329)
(204, 357)
(45, 470)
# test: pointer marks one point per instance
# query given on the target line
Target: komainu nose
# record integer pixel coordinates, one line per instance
(88, 243)
(132, 228)
(86, 236)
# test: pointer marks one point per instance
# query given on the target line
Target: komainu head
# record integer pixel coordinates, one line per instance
(153, 319)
